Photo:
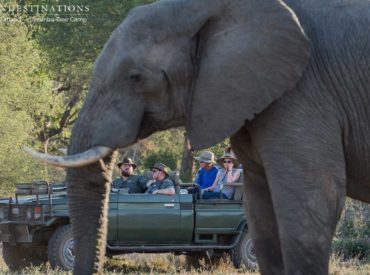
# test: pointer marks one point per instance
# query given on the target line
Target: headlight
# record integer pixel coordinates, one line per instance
(15, 211)
(37, 212)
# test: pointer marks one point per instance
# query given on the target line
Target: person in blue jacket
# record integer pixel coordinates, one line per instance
(206, 175)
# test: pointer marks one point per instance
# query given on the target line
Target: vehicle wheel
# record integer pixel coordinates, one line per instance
(61, 248)
(18, 257)
(243, 253)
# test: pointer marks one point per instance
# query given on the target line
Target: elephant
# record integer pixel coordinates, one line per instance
(286, 80)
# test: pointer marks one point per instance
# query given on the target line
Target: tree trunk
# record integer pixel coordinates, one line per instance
(187, 162)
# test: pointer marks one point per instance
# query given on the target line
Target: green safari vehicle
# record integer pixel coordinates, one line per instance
(35, 226)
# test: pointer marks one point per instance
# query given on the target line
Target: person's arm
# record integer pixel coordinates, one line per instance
(143, 182)
(232, 178)
(167, 188)
(166, 191)
(197, 177)
(116, 183)
(214, 185)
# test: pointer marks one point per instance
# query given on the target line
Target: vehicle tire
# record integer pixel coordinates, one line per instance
(18, 257)
(61, 248)
(243, 253)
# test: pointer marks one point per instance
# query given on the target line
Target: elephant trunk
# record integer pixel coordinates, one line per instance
(89, 186)
(88, 195)
(88, 199)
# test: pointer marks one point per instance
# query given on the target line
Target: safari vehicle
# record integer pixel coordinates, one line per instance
(35, 226)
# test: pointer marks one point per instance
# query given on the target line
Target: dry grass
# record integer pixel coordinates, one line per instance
(171, 264)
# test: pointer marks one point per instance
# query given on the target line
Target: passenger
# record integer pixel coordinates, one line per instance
(229, 149)
(225, 176)
(134, 183)
(207, 173)
(162, 184)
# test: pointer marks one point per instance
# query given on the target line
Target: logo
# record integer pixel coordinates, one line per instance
(44, 13)
(37, 9)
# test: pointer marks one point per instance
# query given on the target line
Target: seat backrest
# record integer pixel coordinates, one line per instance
(175, 177)
(148, 174)
(238, 195)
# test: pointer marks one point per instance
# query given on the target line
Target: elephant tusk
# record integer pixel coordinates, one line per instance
(78, 160)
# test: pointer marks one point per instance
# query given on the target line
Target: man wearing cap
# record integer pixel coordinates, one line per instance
(163, 184)
(206, 175)
(134, 183)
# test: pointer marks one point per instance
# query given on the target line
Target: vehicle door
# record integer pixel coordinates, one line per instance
(112, 216)
(149, 219)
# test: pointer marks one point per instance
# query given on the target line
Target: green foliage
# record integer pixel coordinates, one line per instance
(71, 43)
(355, 221)
(167, 157)
(353, 231)
(72, 48)
(25, 92)
(352, 248)
(165, 146)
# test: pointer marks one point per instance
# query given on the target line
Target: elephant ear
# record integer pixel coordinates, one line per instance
(248, 55)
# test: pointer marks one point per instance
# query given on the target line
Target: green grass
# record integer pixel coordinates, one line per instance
(171, 264)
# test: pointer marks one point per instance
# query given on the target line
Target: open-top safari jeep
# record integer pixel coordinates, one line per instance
(35, 225)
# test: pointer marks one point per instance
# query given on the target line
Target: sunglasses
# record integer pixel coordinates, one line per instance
(228, 161)
(155, 171)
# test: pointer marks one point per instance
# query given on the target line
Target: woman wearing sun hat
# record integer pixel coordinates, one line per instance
(228, 174)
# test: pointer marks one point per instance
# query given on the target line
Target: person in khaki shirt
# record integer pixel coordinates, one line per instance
(132, 182)
(162, 184)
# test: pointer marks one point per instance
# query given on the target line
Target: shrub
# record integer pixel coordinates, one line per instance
(169, 158)
(352, 248)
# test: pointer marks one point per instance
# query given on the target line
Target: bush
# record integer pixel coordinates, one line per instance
(355, 221)
(167, 157)
(352, 238)
(352, 248)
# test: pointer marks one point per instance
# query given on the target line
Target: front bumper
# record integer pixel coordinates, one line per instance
(20, 232)
(11, 232)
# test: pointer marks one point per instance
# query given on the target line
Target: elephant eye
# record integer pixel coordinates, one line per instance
(134, 77)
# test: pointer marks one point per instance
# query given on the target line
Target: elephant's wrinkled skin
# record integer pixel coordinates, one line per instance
(288, 81)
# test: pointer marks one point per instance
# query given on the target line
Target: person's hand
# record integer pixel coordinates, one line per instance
(149, 183)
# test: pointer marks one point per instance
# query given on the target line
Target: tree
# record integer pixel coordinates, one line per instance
(25, 92)
(187, 161)
(71, 48)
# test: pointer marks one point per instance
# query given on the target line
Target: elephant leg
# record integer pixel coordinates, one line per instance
(261, 218)
(306, 176)
(88, 204)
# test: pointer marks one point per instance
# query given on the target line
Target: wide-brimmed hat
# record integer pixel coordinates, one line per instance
(228, 156)
(162, 167)
(206, 156)
(127, 161)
